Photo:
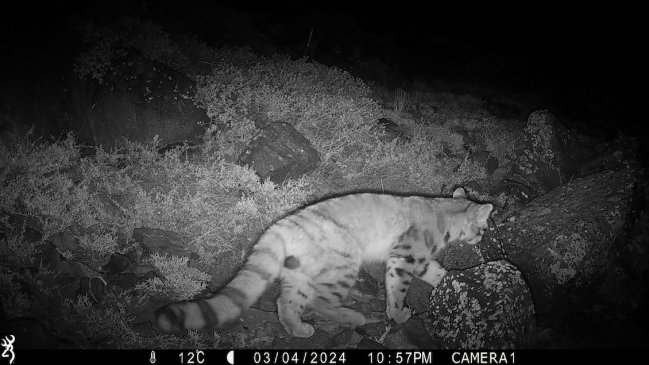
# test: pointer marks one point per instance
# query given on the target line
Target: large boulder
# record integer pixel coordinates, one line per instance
(563, 241)
(488, 306)
(551, 153)
(280, 152)
(138, 99)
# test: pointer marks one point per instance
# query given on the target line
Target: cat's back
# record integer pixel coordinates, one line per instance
(367, 218)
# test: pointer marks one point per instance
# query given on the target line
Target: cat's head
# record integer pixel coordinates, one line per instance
(468, 224)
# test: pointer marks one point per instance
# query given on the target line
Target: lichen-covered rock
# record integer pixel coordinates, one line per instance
(551, 153)
(488, 306)
(516, 190)
(562, 240)
(280, 152)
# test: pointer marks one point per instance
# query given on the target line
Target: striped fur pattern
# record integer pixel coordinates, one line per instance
(317, 251)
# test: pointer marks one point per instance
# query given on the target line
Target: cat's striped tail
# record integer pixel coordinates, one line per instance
(226, 306)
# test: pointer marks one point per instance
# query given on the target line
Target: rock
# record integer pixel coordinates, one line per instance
(339, 339)
(393, 130)
(77, 268)
(562, 240)
(366, 286)
(353, 341)
(409, 335)
(362, 307)
(119, 263)
(280, 152)
(65, 240)
(49, 258)
(163, 242)
(500, 173)
(267, 301)
(376, 273)
(418, 295)
(372, 329)
(485, 159)
(377, 304)
(517, 190)
(124, 281)
(486, 307)
(285, 341)
(133, 254)
(551, 154)
(77, 278)
(367, 344)
(255, 317)
(478, 187)
(138, 99)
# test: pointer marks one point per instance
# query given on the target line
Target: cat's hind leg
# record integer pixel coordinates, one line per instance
(296, 296)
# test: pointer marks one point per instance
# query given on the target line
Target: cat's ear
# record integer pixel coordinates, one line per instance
(459, 193)
(483, 214)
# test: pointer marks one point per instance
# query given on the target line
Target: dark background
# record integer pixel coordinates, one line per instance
(582, 61)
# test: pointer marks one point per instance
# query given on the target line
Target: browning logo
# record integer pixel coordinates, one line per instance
(7, 343)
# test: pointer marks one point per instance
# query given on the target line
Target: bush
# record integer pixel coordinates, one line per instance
(501, 139)
(434, 157)
(331, 108)
(181, 281)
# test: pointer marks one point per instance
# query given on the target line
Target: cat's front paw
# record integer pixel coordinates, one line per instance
(400, 315)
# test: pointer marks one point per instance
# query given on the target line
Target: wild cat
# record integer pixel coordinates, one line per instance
(317, 252)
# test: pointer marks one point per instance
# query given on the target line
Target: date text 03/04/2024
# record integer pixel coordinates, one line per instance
(387, 357)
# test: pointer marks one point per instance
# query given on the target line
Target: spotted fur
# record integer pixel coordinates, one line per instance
(317, 251)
